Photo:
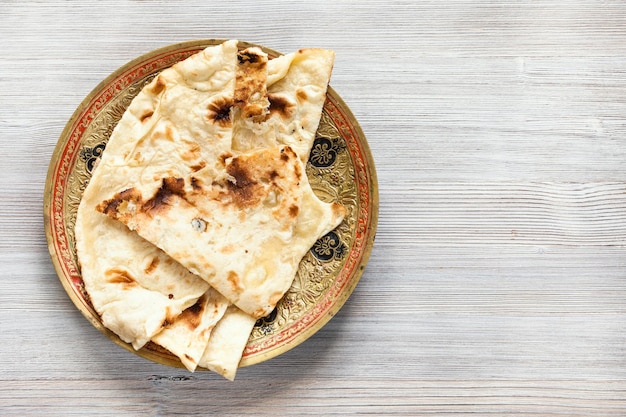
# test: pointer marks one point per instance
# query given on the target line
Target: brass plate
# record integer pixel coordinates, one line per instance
(340, 168)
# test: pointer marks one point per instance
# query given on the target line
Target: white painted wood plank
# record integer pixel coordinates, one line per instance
(497, 282)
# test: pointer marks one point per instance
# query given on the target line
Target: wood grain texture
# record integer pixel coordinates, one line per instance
(497, 284)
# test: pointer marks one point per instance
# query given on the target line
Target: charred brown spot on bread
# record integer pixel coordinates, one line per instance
(228, 249)
(152, 266)
(196, 183)
(169, 317)
(218, 111)
(137, 157)
(294, 210)
(235, 282)
(117, 207)
(297, 171)
(250, 84)
(216, 309)
(244, 189)
(241, 173)
(270, 177)
(158, 86)
(281, 105)
(224, 156)
(254, 112)
(146, 115)
(111, 207)
(248, 56)
(192, 316)
(285, 155)
(170, 187)
(169, 133)
(301, 94)
(120, 276)
(197, 167)
(198, 307)
(192, 151)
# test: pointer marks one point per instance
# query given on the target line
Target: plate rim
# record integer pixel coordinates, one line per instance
(87, 310)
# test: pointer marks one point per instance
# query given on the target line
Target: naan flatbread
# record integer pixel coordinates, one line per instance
(135, 287)
(227, 343)
(296, 91)
(237, 222)
(244, 231)
(207, 164)
(187, 336)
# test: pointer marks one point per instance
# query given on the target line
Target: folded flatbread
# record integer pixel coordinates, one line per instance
(136, 288)
(188, 334)
(296, 86)
(244, 231)
(201, 201)
(228, 340)
(237, 218)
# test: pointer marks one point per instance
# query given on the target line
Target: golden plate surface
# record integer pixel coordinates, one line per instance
(340, 168)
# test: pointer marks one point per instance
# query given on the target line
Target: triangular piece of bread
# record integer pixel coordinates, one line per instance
(244, 231)
(296, 86)
(214, 147)
(187, 336)
(135, 287)
(227, 343)
(238, 222)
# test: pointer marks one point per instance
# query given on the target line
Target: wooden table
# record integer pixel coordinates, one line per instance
(497, 283)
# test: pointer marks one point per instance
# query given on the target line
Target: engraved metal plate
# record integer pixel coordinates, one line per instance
(340, 168)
